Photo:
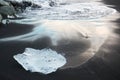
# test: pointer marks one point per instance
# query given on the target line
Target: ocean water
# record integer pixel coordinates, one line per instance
(71, 10)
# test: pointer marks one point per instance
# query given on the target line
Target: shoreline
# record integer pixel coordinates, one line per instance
(103, 66)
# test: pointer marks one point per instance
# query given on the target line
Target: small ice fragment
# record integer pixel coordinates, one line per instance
(44, 61)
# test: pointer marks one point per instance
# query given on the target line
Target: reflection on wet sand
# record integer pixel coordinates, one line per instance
(77, 40)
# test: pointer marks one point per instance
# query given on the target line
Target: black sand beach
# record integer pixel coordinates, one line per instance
(105, 65)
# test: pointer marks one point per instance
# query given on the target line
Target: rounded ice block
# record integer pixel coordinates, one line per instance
(44, 61)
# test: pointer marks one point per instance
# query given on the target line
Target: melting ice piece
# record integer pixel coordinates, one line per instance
(44, 61)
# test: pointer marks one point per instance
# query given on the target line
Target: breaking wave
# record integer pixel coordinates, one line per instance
(70, 10)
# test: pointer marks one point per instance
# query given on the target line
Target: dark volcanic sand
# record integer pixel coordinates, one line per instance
(103, 66)
(14, 29)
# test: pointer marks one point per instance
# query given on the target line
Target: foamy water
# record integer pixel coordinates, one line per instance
(72, 10)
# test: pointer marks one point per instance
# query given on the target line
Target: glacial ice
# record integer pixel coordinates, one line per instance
(43, 61)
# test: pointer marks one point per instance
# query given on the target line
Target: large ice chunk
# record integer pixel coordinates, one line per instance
(44, 61)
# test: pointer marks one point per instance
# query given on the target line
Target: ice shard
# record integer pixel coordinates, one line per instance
(43, 61)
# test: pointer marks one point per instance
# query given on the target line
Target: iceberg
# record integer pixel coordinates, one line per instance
(43, 61)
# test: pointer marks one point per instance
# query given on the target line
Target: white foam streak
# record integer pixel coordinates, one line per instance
(68, 30)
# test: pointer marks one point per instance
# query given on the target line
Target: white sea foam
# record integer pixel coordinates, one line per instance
(72, 11)
(77, 11)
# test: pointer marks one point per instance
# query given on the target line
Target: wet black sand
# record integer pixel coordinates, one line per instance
(11, 30)
(103, 66)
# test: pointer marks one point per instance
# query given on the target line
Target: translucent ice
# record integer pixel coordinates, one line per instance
(44, 61)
